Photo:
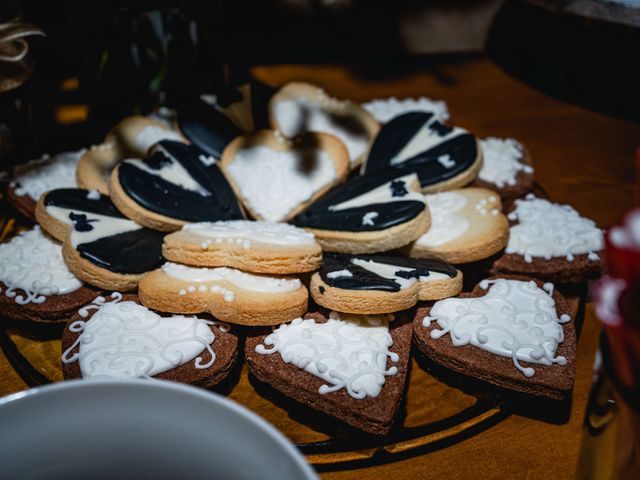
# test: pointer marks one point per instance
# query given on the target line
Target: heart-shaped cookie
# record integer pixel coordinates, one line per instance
(444, 157)
(35, 283)
(373, 284)
(369, 213)
(512, 332)
(119, 338)
(351, 367)
(261, 247)
(100, 245)
(551, 241)
(176, 184)
(299, 107)
(276, 178)
(227, 293)
(466, 225)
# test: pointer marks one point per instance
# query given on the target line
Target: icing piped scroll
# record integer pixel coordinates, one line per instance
(547, 230)
(123, 339)
(515, 319)
(101, 246)
(32, 268)
(442, 156)
(171, 187)
(346, 351)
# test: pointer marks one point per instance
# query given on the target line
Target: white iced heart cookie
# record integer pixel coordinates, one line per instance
(385, 109)
(515, 319)
(227, 293)
(466, 225)
(506, 168)
(125, 339)
(301, 107)
(347, 351)
(276, 178)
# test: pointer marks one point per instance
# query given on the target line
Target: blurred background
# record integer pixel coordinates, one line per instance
(102, 60)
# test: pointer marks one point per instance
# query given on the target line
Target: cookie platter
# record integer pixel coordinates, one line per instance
(348, 284)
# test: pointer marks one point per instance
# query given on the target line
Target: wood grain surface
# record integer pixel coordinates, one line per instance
(581, 158)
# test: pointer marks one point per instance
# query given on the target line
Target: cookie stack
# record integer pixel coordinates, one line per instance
(330, 242)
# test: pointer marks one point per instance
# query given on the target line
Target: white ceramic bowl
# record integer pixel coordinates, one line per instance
(139, 429)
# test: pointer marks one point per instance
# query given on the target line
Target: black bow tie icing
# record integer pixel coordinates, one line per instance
(418, 142)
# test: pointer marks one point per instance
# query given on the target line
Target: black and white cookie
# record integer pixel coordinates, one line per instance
(368, 214)
(381, 283)
(100, 245)
(175, 185)
(444, 157)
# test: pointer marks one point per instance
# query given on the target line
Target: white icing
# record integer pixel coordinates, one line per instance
(152, 134)
(47, 174)
(340, 274)
(382, 194)
(244, 232)
(274, 183)
(514, 319)
(301, 115)
(347, 351)
(102, 225)
(501, 161)
(125, 339)
(385, 109)
(93, 195)
(33, 263)
(446, 224)
(207, 160)
(369, 217)
(446, 161)
(172, 171)
(425, 139)
(238, 278)
(550, 230)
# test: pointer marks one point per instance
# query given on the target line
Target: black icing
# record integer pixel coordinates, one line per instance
(206, 127)
(394, 135)
(364, 279)
(163, 197)
(76, 199)
(80, 222)
(132, 252)
(318, 215)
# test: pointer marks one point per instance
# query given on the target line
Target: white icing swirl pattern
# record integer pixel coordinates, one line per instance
(385, 109)
(501, 161)
(547, 230)
(32, 263)
(446, 224)
(273, 183)
(348, 351)
(246, 232)
(514, 319)
(125, 340)
(48, 173)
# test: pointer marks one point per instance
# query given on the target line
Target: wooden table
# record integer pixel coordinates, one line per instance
(581, 158)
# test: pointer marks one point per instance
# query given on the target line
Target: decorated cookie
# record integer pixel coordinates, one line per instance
(261, 247)
(385, 109)
(512, 332)
(245, 106)
(368, 214)
(277, 178)
(444, 157)
(119, 338)
(175, 185)
(100, 246)
(376, 284)
(35, 283)
(34, 178)
(229, 294)
(96, 164)
(301, 107)
(351, 367)
(466, 225)
(506, 167)
(551, 241)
